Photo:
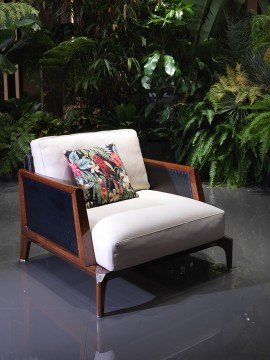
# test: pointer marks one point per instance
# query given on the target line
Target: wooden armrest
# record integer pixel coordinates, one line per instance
(53, 213)
(174, 178)
(64, 185)
(168, 165)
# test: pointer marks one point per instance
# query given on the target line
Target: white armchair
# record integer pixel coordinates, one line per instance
(169, 215)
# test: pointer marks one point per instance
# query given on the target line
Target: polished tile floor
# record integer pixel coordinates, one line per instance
(194, 310)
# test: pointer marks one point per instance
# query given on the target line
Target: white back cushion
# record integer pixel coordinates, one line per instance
(49, 159)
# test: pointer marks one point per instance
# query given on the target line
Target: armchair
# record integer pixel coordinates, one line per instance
(170, 217)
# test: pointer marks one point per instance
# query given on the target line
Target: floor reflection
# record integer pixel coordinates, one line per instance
(47, 312)
(192, 310)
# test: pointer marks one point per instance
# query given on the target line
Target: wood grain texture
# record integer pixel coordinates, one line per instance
(63, 185)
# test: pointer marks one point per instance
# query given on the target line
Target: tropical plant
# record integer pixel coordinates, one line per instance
(12, 17)
(257, 131)
(207, 31)
(98, 62)
(215, 146)
(21, 121)
(227, 135)
(164, 19)
(233, 90)
(249, 47)
(209, 19)
(260, 28)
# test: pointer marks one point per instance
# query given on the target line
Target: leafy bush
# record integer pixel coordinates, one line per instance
(20, 123)
(257, 131)
(227, 135)
(219, 145)
(12, 17)
(233, 90)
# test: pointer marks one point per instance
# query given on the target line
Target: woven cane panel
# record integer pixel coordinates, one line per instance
(169, 180)
(49, 213)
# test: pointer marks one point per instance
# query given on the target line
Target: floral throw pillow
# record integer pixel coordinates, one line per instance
(101, 173)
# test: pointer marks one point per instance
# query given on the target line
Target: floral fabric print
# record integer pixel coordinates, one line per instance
(101, 173)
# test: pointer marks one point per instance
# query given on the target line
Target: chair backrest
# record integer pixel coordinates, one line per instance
(48, 153)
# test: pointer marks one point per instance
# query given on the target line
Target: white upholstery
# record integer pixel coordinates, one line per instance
(153, 225)
(49, 159)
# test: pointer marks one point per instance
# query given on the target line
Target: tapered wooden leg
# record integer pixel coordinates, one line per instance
(101, 282)
(24, 248)
(227, 245)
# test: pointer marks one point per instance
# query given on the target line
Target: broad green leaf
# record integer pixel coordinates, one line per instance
(149, 108)
(179, 14)
(169, 64)
(151, 64)
(165, 115)
(6, 66)
(207, 15)
(134, 61)
(146, 82)
(25, 22)
(6, 37)
(170, 14)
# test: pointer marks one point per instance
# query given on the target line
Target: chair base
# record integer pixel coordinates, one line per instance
(102, 275)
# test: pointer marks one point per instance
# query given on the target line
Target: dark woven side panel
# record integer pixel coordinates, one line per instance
(169, 180)
(49, 213)
(29, 163)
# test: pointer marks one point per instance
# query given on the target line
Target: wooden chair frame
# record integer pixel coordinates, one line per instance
(85, 257)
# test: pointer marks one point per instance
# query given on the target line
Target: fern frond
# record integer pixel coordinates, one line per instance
(260, 31)
(60, 56)
(11, 13)
(233, 90)
(213, 172)
(20, 145)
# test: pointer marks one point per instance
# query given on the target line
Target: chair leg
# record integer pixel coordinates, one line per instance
(101, 282)
(227, 245)
(25, 245)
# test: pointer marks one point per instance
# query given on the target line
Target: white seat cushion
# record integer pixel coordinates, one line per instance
(153, 225)
(48, 153)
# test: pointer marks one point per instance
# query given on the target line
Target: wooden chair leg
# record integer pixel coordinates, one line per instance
(227, 245)
(25, 245)
(101, 282)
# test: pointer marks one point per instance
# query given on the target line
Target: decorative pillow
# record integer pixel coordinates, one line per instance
(101, 173)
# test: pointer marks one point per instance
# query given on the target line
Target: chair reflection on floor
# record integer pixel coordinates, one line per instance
(154, 332)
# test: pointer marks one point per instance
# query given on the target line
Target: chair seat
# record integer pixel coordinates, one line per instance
(155, 224)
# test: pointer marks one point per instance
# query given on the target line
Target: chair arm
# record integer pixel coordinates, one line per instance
(53, 214)
(174, 178)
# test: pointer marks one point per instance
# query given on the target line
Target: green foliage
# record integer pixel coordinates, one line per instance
(12, 17)
(209, 18)
(227, 136)
(216, 148)
(171, 12)
(243, 49)
(20, 123)
(57, 58)
(260, 30)
(15, 15)
(239, 39)
(257, 130)
(233, 90)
